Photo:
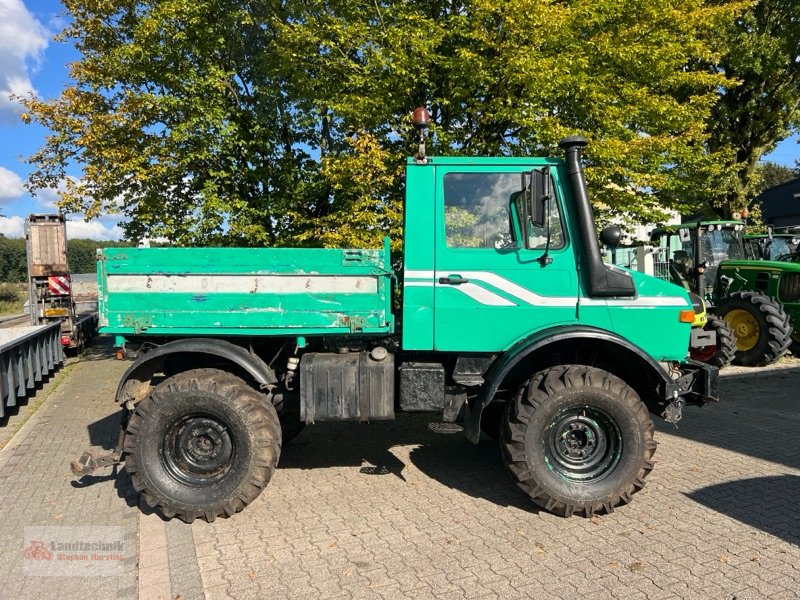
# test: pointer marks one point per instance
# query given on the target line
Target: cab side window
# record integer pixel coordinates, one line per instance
(476, 211)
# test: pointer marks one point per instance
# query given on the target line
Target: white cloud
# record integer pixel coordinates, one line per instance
(46, 198)
(12, 227)
(10, 183)
(93, 230)
(23, 40)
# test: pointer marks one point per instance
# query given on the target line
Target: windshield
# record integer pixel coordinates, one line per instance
(778, 246)
(722, 244)
(718, 245)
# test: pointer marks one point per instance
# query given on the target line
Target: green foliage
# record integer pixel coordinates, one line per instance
(769, 174)
(80, 256)
(12, 298)
(9, 293)
(13, 260)
(229, 122)
(762, 54)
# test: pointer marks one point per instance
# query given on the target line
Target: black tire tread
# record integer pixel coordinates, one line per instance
(778, 323)
(726, 342)
(537, 391)
(249, 402)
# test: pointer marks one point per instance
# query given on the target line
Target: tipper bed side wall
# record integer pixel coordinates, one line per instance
(244, 291)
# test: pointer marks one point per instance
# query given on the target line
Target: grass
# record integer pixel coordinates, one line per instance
(12, 298)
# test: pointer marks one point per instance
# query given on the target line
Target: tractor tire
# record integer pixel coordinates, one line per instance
(202, 444)
(762, 328)
(722, 353)
(578, 440)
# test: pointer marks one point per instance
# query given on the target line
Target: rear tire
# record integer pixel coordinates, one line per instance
(722, 353)
(202, 444)
(578, 440)
(762, 328)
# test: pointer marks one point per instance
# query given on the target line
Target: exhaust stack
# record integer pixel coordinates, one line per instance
(601, 280)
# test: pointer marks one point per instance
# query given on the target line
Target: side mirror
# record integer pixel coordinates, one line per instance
(684, 235)
(540, 195)
(610, 236)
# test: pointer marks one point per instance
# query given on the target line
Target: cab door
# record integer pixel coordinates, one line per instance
(490, 290)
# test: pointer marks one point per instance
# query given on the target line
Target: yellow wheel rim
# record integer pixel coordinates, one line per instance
(745, 328)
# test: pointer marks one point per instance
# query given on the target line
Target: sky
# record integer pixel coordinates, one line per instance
(31, 62)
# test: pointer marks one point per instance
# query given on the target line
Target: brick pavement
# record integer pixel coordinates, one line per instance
(716, 520)
(36, 486)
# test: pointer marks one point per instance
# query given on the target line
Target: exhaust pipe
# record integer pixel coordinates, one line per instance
(602, 281)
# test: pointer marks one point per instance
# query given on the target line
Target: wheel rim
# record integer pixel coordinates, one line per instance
(703, 354)
(198, 450)
(745, 328)
(583, 444)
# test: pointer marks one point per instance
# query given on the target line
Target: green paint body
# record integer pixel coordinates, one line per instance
(509, 296)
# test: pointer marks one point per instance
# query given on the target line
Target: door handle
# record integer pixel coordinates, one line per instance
(452, 280)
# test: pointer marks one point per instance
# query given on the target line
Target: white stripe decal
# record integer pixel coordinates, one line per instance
(511, 288)
(535, 299)
(418, 274)
(243, 284)
(476, 292)
(649, 302)
(479, 293)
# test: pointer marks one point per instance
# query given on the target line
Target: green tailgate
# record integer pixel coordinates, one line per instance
(244, 291)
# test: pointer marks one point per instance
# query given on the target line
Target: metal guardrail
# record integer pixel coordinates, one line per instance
(26, 359)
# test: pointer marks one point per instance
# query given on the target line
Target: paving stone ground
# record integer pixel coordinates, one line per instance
(438, 518)
(37, 488)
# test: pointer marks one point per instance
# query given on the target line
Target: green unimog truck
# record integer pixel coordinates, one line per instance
(505, 305)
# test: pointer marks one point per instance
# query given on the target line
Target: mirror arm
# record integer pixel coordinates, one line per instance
(545, 258)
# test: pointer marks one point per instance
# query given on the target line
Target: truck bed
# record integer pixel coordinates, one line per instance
(244, 291)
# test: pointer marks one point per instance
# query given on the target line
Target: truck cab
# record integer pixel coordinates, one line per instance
(481, 277)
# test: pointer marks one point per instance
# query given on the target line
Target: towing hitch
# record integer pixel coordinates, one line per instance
(90, 461)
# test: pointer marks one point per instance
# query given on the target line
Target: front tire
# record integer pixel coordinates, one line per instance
(202, 444)
(578, 440)
(762, 328)
(723, 352)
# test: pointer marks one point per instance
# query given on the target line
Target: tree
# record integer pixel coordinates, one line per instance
(769, 174)
(293, 129)
(763, 55)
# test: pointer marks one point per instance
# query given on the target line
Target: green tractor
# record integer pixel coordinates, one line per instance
(774, 245)
(750, 301)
